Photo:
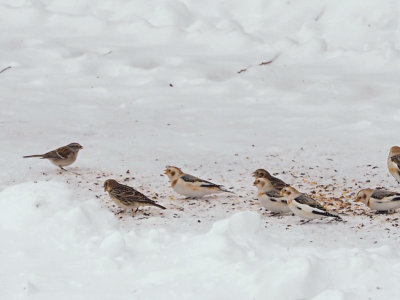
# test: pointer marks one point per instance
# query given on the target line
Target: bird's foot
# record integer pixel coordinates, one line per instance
(385, 212)
(274, 214)
(302, 222)
(121, 211)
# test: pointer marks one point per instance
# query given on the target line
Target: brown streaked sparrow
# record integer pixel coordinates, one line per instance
(61, 157)
(127, 197)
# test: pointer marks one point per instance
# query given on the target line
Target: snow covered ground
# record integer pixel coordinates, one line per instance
(145, 84)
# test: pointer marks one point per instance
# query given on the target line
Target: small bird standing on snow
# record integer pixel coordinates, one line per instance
(61, 157)
(191, 186)
(127, 197)
(269, 197)
(276, 182)
(393, 162)
(379, 199)
(305, 206)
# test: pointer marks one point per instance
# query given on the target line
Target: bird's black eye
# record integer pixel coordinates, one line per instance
(289, 193)
(365, 196)
(173, 173)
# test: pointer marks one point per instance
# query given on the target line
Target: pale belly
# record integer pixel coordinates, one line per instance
(374, 205)
(193, 191)
(303, 211)
(393, 170)
(64, 162)
(122, 205)
(274, 206)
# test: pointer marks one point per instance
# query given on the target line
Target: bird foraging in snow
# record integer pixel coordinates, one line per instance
(393, 162)
(127, 197)
(304, 206)
(276, 182)
(379, 199)
(191, 186)
(269, 197)
(61, 157)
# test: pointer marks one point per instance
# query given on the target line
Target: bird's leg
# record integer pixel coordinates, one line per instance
(384, 212)
(273, 214)
(62, 168)
(121, 211)
(302, 222)
(333, 219)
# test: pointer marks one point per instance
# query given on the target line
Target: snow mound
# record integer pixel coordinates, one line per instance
(82, 248)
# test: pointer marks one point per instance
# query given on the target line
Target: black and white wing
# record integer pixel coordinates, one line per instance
(380, 194)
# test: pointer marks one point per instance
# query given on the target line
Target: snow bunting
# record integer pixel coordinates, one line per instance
(276, 182)
(61, 157)
(269, 197)
(379, 199)
(127, 197)
(191, 186)
(305, 206)
(393, 162)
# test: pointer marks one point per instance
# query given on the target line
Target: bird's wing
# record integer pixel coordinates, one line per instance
(128, 194)
(194, 179)
(380, 194)
(396, 160)
(304, 199)
(54, 154)
(60, 153)
(273, 193)
(277, 183)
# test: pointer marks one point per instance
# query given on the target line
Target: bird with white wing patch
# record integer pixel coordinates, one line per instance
(393, 162)
(304, 206)
(379, 199)
(270, 198)
(191, 186)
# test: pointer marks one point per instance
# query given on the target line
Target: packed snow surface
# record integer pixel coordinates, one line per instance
(306, 89)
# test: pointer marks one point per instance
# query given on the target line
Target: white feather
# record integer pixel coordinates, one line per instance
(274, 206)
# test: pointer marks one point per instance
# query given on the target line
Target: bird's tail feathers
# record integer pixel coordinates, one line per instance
(226, 191)
(35, 155)
(328, 214)
(159, 206)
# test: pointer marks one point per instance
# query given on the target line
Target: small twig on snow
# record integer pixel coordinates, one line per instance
(5, 69)
(260, 64)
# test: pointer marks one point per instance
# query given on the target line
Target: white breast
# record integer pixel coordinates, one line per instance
(274, 206)
(192, 189)
(393, 169)
(376, 204)
(303, 211)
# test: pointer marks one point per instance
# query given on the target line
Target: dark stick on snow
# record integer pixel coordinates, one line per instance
(260, 64)
(5, 69)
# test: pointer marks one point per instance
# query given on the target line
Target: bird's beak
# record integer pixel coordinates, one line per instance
(254, 183)
(165, 171)
(357, 200)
